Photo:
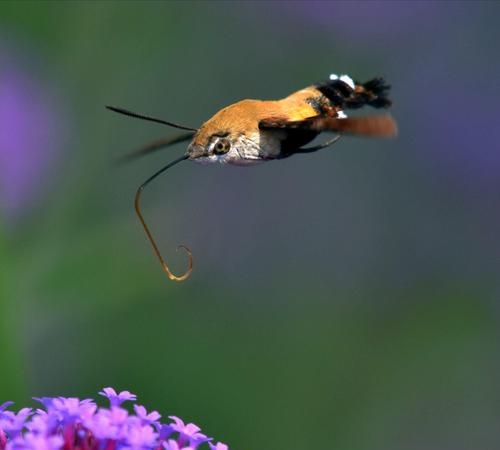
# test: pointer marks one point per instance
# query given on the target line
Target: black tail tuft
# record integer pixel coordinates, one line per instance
(376, 92)
(341, 94)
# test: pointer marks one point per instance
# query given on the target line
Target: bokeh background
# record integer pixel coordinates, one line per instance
(345, 300)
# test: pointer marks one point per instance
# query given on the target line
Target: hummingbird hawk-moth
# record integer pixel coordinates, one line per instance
(254, 131)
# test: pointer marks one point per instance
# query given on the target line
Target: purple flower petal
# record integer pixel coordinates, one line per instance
(188, 432)
(141, 437)
(102, 426)
(45, 401)
(5, 405)
(165, 431)
(171, 445)
(142, 413)
(117, 415)
(73, 407)
(33, 441)
(174, 445)
(218, 446)
(13, 423)
(117, 399)
(40, 424)
(187, 429)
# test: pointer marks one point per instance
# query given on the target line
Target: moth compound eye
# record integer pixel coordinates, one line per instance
(222, 146)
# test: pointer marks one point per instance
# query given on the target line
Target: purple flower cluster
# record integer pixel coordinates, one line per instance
(74, 424)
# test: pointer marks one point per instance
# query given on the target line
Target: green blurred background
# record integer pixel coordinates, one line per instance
(345, 300)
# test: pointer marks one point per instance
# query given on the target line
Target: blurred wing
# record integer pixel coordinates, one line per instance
(154, 146)
(383, 126)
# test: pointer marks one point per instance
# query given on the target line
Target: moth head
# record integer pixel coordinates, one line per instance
(228, 136)
(210, 145)
(222, 147)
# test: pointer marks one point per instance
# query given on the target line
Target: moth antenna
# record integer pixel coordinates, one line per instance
(126, 112)
(137, 204)
(153, 147)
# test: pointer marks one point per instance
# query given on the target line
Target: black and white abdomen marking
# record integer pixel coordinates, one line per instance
(345, 93)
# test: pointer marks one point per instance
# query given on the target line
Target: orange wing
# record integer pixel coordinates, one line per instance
(371, 126)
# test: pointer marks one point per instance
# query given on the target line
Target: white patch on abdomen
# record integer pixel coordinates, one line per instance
(345, 78)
